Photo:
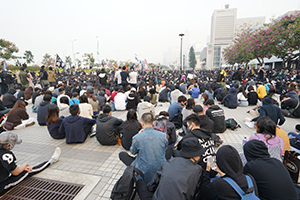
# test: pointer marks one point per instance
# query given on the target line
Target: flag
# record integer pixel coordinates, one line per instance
(136, 57)
(59, 63)
(145, 61)
(4, 65)
(70, 64)
(106, 61)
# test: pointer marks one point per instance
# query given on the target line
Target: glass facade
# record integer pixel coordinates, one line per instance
(217, 57)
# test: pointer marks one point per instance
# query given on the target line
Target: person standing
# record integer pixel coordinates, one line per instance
(124, 76)
(9, 79)
(24, 77)
(51, 77)
(44, 76)
(133, 77)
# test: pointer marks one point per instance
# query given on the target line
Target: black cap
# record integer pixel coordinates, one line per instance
(210, 102)
(298, 127)
(191, 147)
(197, 109)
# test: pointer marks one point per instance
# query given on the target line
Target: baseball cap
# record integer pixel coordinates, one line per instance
(9, 137)
(210, 102)
(197, 109)
(133, 89)
(191, 147)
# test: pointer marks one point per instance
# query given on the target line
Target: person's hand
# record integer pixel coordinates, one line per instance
(219, 171)
(208, 166)
(246, 120)
(28, 169)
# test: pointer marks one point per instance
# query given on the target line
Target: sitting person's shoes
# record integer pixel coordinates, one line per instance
(30, 124)
(56, 155)
(93, 133)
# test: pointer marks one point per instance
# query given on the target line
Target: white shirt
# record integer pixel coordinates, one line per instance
(58, 99)
(120, 101)
(86, 110)
(118, 76)
(133, 77)
(241, 97)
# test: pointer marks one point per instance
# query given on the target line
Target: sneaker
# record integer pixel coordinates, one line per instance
(93, 133)
(31, 124)
(55, 156)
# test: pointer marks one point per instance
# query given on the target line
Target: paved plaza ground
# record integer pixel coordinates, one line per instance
(98, 167)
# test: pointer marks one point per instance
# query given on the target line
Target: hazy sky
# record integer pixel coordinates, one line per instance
(125, 27)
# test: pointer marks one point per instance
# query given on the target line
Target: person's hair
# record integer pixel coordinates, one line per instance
(147, 98)
(60, 90)
(132, 118)
(147, 118)
(50, 68)
(18, 104)
(64, 100)
(83, 99)
(205, 97)
(123, 67)
(52, 116)
(75, 94)
(89, 93)
(177, 86)
(74, 109)
(190, 103)
(181, 99)
(193, 118)
(266, 126)
(250, 88)
(106, 109)
(209, 89)
(47, 97)
(164, 113)
(242, 90)
(37, 89)
(272, 91)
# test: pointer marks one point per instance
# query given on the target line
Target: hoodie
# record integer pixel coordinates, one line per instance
(230, 100)
(145, 107)
(43, 112)
(132, 101)
(106, 130)
(271, 176)
(292, 104)
(293, 94)
(216, 114)
(268, 109)
(73, 128)
(9, 99)
(103, 78)
(229, 162)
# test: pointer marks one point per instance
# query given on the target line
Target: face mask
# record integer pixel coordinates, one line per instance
(202, 100)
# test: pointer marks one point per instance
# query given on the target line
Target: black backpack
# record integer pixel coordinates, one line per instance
(124, 189)
(232, 124)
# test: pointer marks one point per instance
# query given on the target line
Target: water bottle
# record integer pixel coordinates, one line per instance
(245, 140)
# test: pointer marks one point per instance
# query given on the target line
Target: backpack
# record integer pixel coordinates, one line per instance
(219, 77)
(232, 124)
(124, 187)
(250, 195)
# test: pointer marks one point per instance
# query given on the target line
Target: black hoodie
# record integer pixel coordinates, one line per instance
(272, 178)
(229, 162)
(9, 99)
(216, 114)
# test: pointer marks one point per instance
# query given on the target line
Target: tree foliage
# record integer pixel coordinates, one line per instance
(88, 59)
(47, 60)
(68, 59)
(28, 56)
(192, 58)
(7, 49)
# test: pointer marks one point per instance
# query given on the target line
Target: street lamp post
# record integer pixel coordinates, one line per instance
(73, 51)
(181, 35)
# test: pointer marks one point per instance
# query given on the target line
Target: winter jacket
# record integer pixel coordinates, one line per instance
(8, 79)
(43, 112)
(163, 95)
(216, 114)
(194, 92)
(53, 129)
(206, 123)
(293, 94)
(290, 105)
(9, 99)
(132, 101)
(103, 79)
(268, 109)
(252, 98)
(51, 76)
(73, 128)
(17, 117)
(230, 100)
(128, 133)
(106, 131)
(145, 107)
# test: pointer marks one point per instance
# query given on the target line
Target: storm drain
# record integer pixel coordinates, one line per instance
(39, 189)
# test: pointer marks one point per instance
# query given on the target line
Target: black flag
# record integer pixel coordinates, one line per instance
(59, 63)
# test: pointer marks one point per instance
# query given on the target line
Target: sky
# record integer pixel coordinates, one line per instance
(122, 27)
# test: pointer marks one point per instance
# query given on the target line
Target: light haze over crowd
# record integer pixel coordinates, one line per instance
(124, 28)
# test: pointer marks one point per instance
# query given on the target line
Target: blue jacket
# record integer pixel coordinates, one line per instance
(174, 110)
(194, 92)
(210, 95)
(74, 101)
(73, 128)
(150, 147)
(231, 98)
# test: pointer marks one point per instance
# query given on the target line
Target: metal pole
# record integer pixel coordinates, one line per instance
(181, 55)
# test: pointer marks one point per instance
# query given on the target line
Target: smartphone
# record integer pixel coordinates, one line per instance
(212, 161)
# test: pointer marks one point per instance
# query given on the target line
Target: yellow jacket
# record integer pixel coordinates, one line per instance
(261, 92)
(51, 76)
(281, 133)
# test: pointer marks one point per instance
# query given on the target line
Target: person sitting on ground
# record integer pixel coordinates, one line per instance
(216, 114)
(132, 100)
(261, 91)
(205, 121)
(178, 178)
(272, 179)
(11, 174)
(269, 110)
(28, 93)
(62, 93)
(35, 94)
(120, 100)
(175, 94)
(204, 98)
(230, 100)
(86, 109)
(64, 107)
(9, 99)
(274, 96)
(175, 111)
(242, 97)
(188, 109)
(129, 128)
(291, 92)
(209, 92)
(39, 99)
(252, 96)
(101, 99)
(92, 100)
(19, 117)
(43, 110)
(75, 99)
(21, 93)
(149, 147)
(145, 107)
(53, 122)
(194, 92)
(73, 126)
(228, 165)
(163, 124)
(152, 94)
(290, 107)
(107, 125)
(163, 94)
(295, 134)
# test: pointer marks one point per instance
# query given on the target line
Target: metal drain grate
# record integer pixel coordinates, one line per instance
(38, 189)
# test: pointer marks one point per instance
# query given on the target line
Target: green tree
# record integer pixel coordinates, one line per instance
(7, 49)
(192, 58)
(88, 59)
(68, 60)
(78, 62)
(47, 60)
(28, 56)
